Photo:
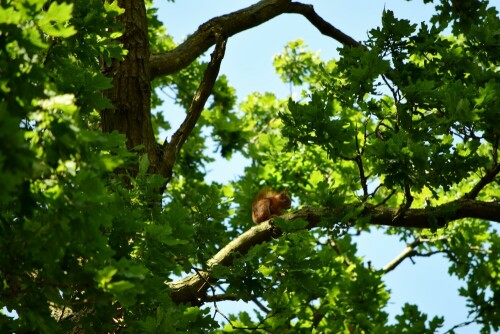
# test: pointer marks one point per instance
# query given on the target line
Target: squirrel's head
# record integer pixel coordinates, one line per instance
(285, 199)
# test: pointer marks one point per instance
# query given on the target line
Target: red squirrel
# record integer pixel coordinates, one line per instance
(269, 203)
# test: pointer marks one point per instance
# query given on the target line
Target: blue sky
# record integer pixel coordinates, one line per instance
(248, 66)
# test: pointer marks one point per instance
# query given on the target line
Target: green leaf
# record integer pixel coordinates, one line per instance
(143, 164)
(113, 7)
(105, 275)
(120, 286)
(55, 21)
(290, 225)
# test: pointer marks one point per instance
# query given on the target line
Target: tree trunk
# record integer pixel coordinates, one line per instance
(131, 92)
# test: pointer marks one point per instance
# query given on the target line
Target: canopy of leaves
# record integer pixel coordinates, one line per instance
(402, 130)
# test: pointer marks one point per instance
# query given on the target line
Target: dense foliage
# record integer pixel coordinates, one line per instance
(101, 215)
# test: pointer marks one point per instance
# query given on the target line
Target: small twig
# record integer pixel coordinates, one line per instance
(377, 132)
(406, 205)
(254, 139)
(323, 26)
(261, 306)
(63, 310)
(463, 324)
(49, 50)
(254, 299)
(167, 94)
(359, 163)
(409, 251)
(387, 198)
(429, 254)
(206, 282)
(337, 249)
(214, 299)
(397, 101)
(377, 188)
(487, 178)
(495, 150)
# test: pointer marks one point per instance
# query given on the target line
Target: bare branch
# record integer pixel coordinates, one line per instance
(253, 299)
(203, 38)
(409, 251)
(462, 324)
(323, 26)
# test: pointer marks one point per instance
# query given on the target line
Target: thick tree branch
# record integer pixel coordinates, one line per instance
(231, 24)
(192, 289)
(438, 216)
(203, 38)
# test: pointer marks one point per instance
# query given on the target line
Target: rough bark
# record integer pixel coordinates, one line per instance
(131, 92)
